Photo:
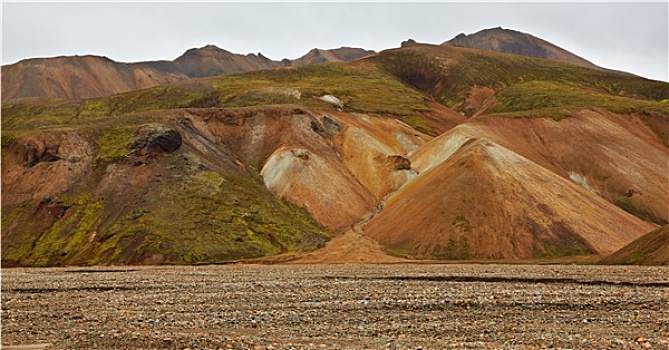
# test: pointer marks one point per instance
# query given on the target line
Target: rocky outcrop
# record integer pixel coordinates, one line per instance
(34, 150)
(44, 165)
(152, 138)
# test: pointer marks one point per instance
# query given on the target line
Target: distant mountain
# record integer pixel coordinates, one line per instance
(81, 77)
(211, 60)
(517, 43)
(336, 55)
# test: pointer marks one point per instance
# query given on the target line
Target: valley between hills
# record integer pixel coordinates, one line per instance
(467, 152)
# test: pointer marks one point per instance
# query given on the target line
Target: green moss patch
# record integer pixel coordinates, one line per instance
(455, 249)
(197, 215)
(113, 144)
(549, 99)
(625, 203)
(62, 240)
(526, 87)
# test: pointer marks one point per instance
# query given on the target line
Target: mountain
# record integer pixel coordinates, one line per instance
(421, 152)
(342, 54)
(82, 77)
(649, 249)
(517, 43)
(210, 61)
(78, 77)
(483, 201)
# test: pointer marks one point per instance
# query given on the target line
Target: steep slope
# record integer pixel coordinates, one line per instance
(517, 43)
(617, 157)
(485, 202)
(606, 130)
(153, 193)
(76, 77)
(649, 249)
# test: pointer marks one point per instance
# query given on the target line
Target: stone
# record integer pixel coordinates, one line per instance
(155, 137)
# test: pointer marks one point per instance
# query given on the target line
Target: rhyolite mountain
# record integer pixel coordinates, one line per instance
(81, 77)
(433, 151)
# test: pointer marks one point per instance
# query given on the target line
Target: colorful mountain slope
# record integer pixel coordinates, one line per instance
(479, 200)
(554, 161)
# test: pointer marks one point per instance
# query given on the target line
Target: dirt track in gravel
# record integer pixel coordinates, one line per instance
(346, 306)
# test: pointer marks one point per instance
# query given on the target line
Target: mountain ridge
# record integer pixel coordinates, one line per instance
(93, 76)
(89, 76)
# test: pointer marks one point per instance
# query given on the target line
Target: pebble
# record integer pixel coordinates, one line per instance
(348, 306)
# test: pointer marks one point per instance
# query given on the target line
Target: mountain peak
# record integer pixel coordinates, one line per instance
(210, 51)
(343, 53)
(518, 43)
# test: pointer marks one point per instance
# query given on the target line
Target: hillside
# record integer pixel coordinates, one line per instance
(649, 249)
(483, 201)
(436, 152)
(192, 180)
(78, 77)
(83, 77)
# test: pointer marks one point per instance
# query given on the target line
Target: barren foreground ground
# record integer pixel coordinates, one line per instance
(338, 307)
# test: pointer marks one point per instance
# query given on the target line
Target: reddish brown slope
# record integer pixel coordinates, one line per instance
(184, 191)
(210, 60)
(335, 165)
(486, 202)
(615, 156)
(649, 249)
(342, 54)
(291, 148)
(78, 77)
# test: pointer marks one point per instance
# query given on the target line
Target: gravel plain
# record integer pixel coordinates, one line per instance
(347, 306)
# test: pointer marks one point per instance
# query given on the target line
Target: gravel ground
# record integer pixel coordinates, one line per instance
(338, 307)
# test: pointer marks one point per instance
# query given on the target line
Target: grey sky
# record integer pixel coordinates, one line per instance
(626, 36)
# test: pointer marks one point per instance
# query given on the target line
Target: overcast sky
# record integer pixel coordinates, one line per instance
(631, 37)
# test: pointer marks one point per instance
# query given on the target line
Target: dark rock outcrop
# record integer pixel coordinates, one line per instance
(152, 138)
